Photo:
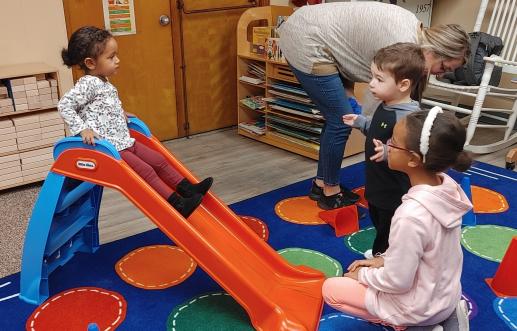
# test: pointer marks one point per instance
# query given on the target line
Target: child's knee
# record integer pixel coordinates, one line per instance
(329, 289)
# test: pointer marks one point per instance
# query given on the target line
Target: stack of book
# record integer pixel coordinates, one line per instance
(256, 74)
(254, 103)
(6, 103)
(257, 127)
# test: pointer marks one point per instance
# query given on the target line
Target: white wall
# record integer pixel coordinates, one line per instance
(279, 2)
(34, 31)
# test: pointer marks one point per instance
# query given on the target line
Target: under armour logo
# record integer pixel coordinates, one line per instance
(384, 125)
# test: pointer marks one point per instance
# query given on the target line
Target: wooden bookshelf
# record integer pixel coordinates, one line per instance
(27, 135)
(275, 72)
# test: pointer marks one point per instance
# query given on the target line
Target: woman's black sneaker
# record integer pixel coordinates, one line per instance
(316, 192)
(187, 189)
(334, 201)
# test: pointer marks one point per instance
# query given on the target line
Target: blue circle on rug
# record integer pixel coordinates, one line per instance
(340, 321)
(506, 309)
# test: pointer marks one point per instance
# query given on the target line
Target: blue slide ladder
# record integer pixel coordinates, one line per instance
(64, 221)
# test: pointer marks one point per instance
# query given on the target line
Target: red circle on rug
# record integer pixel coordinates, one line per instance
(74, 309)
(155, 267)
(487, 201)
(362, 201)
(299, 210)
(258, 226)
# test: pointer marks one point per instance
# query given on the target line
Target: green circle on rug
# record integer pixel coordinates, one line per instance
(361, 241)
(212, 311)
(314, 259)
(487, 241)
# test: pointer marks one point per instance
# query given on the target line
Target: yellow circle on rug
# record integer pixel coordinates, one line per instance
(299, 210)
(487, 201)
(155, 267)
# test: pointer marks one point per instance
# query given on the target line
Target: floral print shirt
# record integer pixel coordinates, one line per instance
(94, 104)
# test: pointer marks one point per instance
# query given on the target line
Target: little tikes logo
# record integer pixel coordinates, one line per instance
(85, 164)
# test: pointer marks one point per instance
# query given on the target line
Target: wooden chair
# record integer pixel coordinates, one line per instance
(503, 23)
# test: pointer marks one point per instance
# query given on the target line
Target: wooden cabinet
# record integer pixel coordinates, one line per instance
(29, 122)
(288, 119)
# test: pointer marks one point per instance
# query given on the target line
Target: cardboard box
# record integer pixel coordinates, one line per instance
(9, 158)
(28, 139)
(35, 144)
(29, 80)
(42, 84)
(27, 127)
(7, 142)
(38, 152)
(47, 115)
(37, 158)
(35, 177)
(5, 123)
(6, 102)
(10, 164)
(51, 122)
(32, 93)
(45, 90)
(19, 95)
(46, 103)
(45, 97)
(16, 82)
(8, 136)
(11, 182)
(9, 170)
(27, 133)
(40, 77)
(33, 165)
(21, 107)
(53, 134)
(3, 89)
(6, 109)
(36, 170)
(8, 149)
(52, 82)
(18, 88)
(25, 119)
(20, 101)
(29, 87)
(35, 105)
(7, 130)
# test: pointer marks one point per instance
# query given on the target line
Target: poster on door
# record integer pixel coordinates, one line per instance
(119, 16)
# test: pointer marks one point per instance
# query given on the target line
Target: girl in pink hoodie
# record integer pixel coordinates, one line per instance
(417, 280)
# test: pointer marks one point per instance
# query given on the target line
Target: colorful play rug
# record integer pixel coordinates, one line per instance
(145, 282)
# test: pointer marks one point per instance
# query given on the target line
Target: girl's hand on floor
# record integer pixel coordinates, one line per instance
(376, 262)
(88, 136)
(379, 151)
(349, 119)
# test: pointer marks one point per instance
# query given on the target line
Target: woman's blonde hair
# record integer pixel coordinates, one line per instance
(449, 41)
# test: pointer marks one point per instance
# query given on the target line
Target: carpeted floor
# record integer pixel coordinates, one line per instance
(109, 288)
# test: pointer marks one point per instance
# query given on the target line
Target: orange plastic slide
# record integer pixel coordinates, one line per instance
(275, 294)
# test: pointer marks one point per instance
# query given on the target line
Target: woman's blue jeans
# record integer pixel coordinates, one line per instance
(329, 96)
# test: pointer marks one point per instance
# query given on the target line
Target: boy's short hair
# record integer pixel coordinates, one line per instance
(404, 61)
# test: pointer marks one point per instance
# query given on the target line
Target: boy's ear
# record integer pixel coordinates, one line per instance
(89, 63)
(404, 85)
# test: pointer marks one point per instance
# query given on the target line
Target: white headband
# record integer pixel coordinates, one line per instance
(426, 130)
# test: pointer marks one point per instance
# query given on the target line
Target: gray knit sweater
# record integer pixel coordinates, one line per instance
(344, 36)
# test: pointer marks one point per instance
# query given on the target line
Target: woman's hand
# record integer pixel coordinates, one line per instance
(88, 136)
(379, 151)
(376, 262)
(349, 119)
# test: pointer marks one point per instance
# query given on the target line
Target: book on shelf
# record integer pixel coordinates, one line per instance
(273, 51)
(312, 127)
(257, 127)
(304, 143)
(259, 37)
(257, 70)
(251, 80)
(295, 133)
(290, 104)
(293, 97)
(296, 112)
(255, 102)
(289, 88)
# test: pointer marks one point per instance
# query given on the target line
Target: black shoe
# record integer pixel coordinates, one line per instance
(315, 192)
(185, 206)
(334, 201)
(186, 189)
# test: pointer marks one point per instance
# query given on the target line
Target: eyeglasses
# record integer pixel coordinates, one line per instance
(389, 143)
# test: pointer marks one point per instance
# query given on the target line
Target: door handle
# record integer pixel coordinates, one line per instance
(164, 20)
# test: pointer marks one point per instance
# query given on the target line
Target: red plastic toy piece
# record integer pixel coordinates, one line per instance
(504, 283)
(343, 220)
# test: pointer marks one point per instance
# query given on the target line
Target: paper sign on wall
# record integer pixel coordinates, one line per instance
(119, 16)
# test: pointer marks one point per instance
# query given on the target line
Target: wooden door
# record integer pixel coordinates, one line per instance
(209, 50)
(145, 80)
